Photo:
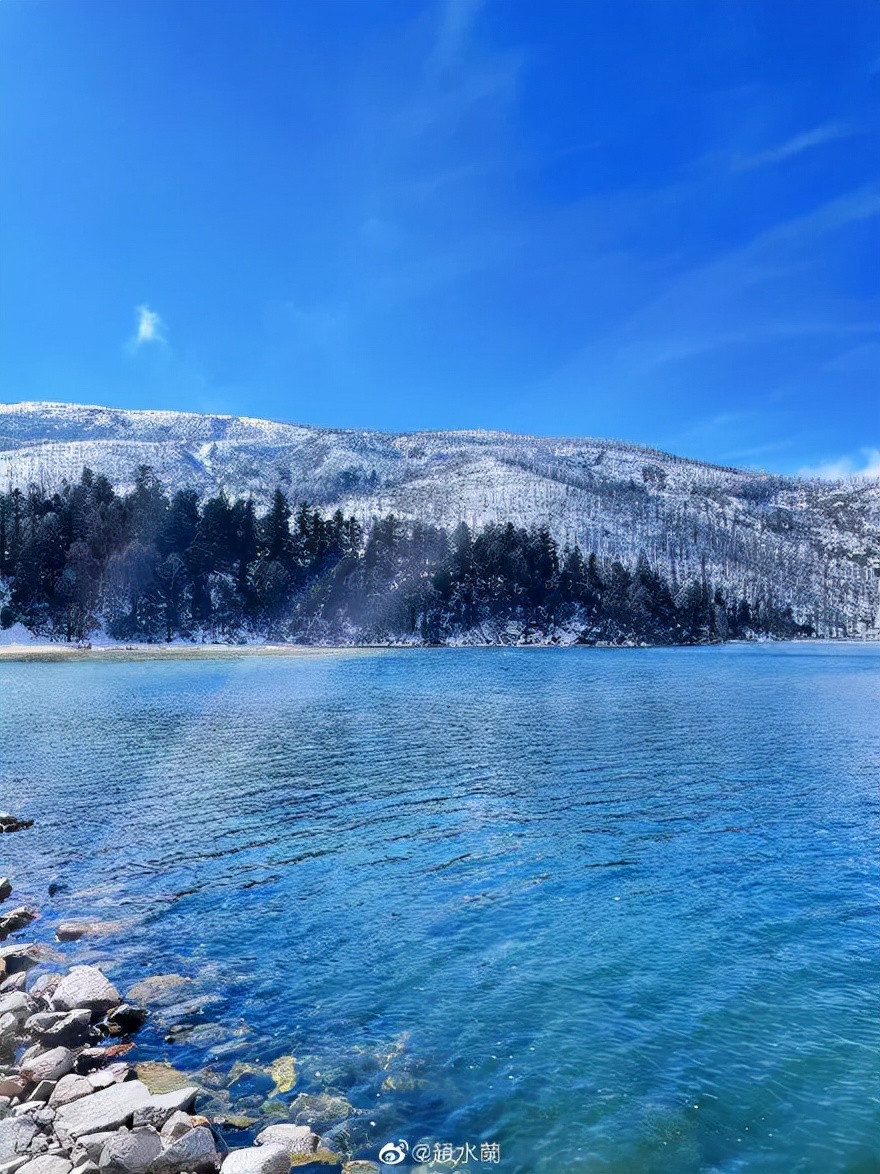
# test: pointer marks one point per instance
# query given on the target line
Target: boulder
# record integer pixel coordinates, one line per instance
(12, 823)
(194, 1151)
(91, 1059)
(70, 1088)
(107, 1109)
(45, 985)
(176, 1126)
(12, 1086)
(15, 982)
(85, 986)
(89, 1147)
(17, 1003)
(5, 887)
(31, 1109)
(50, 1065)
(160, 1108)
(112, 1074)
(17, 919)
(296, 1139)
(13, 1165)
(16, 1134)
(126, 1019)
(19, 957)
(10, 1029)
(130, 1153)
(261, 1159)
(48, 1164)
(69, 1028)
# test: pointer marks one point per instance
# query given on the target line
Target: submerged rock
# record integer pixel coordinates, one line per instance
(160, 1077)
(72, 931)
(296, 1139)
(283, 1072)
(157, 990)
(12, 823)
(319, 1110)
(88, 987)
(17, 919)
(249, 1080)
(19, 957)
(264, 1159)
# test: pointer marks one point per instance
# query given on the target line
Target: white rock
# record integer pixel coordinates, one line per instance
(61, 1027)
(88, 1148)
(176, 1126)
(13, 1165)
(261, 1159)
(85, 986)
(51, 1065)
(70, 1088)
(48, 1164)
(162, 1106)
(130, 1153)
(107, 1109)
(16, 1134)
(17, 1003)
(296, 1139)
(194, 1151)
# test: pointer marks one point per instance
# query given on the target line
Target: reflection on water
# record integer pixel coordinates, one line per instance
(611, 910)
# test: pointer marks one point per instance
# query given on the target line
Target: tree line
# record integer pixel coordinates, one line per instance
(146, 566)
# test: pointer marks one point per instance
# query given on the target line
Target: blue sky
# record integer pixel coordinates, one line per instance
(648, 219)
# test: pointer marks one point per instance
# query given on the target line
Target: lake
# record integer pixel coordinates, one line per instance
(607, 910)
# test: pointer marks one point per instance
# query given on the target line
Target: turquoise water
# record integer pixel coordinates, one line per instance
(613, 910)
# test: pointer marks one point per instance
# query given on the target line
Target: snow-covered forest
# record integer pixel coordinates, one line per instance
(782, 547)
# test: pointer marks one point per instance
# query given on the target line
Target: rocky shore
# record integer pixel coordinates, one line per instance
(73, 1102)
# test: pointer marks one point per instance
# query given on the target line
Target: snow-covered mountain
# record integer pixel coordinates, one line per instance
(813, 544)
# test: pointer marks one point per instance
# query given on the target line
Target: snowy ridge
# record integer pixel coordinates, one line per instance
(813, 544)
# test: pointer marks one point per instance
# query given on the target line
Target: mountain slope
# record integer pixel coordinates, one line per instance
(808, 543)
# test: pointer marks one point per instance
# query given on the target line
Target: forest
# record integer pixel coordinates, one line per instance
(147, 567)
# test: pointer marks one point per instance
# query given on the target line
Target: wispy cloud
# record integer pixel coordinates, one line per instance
(866, 463)
(828, 132)
(150, 327)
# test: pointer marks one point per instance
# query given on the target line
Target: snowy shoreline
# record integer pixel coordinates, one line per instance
(55, 651)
